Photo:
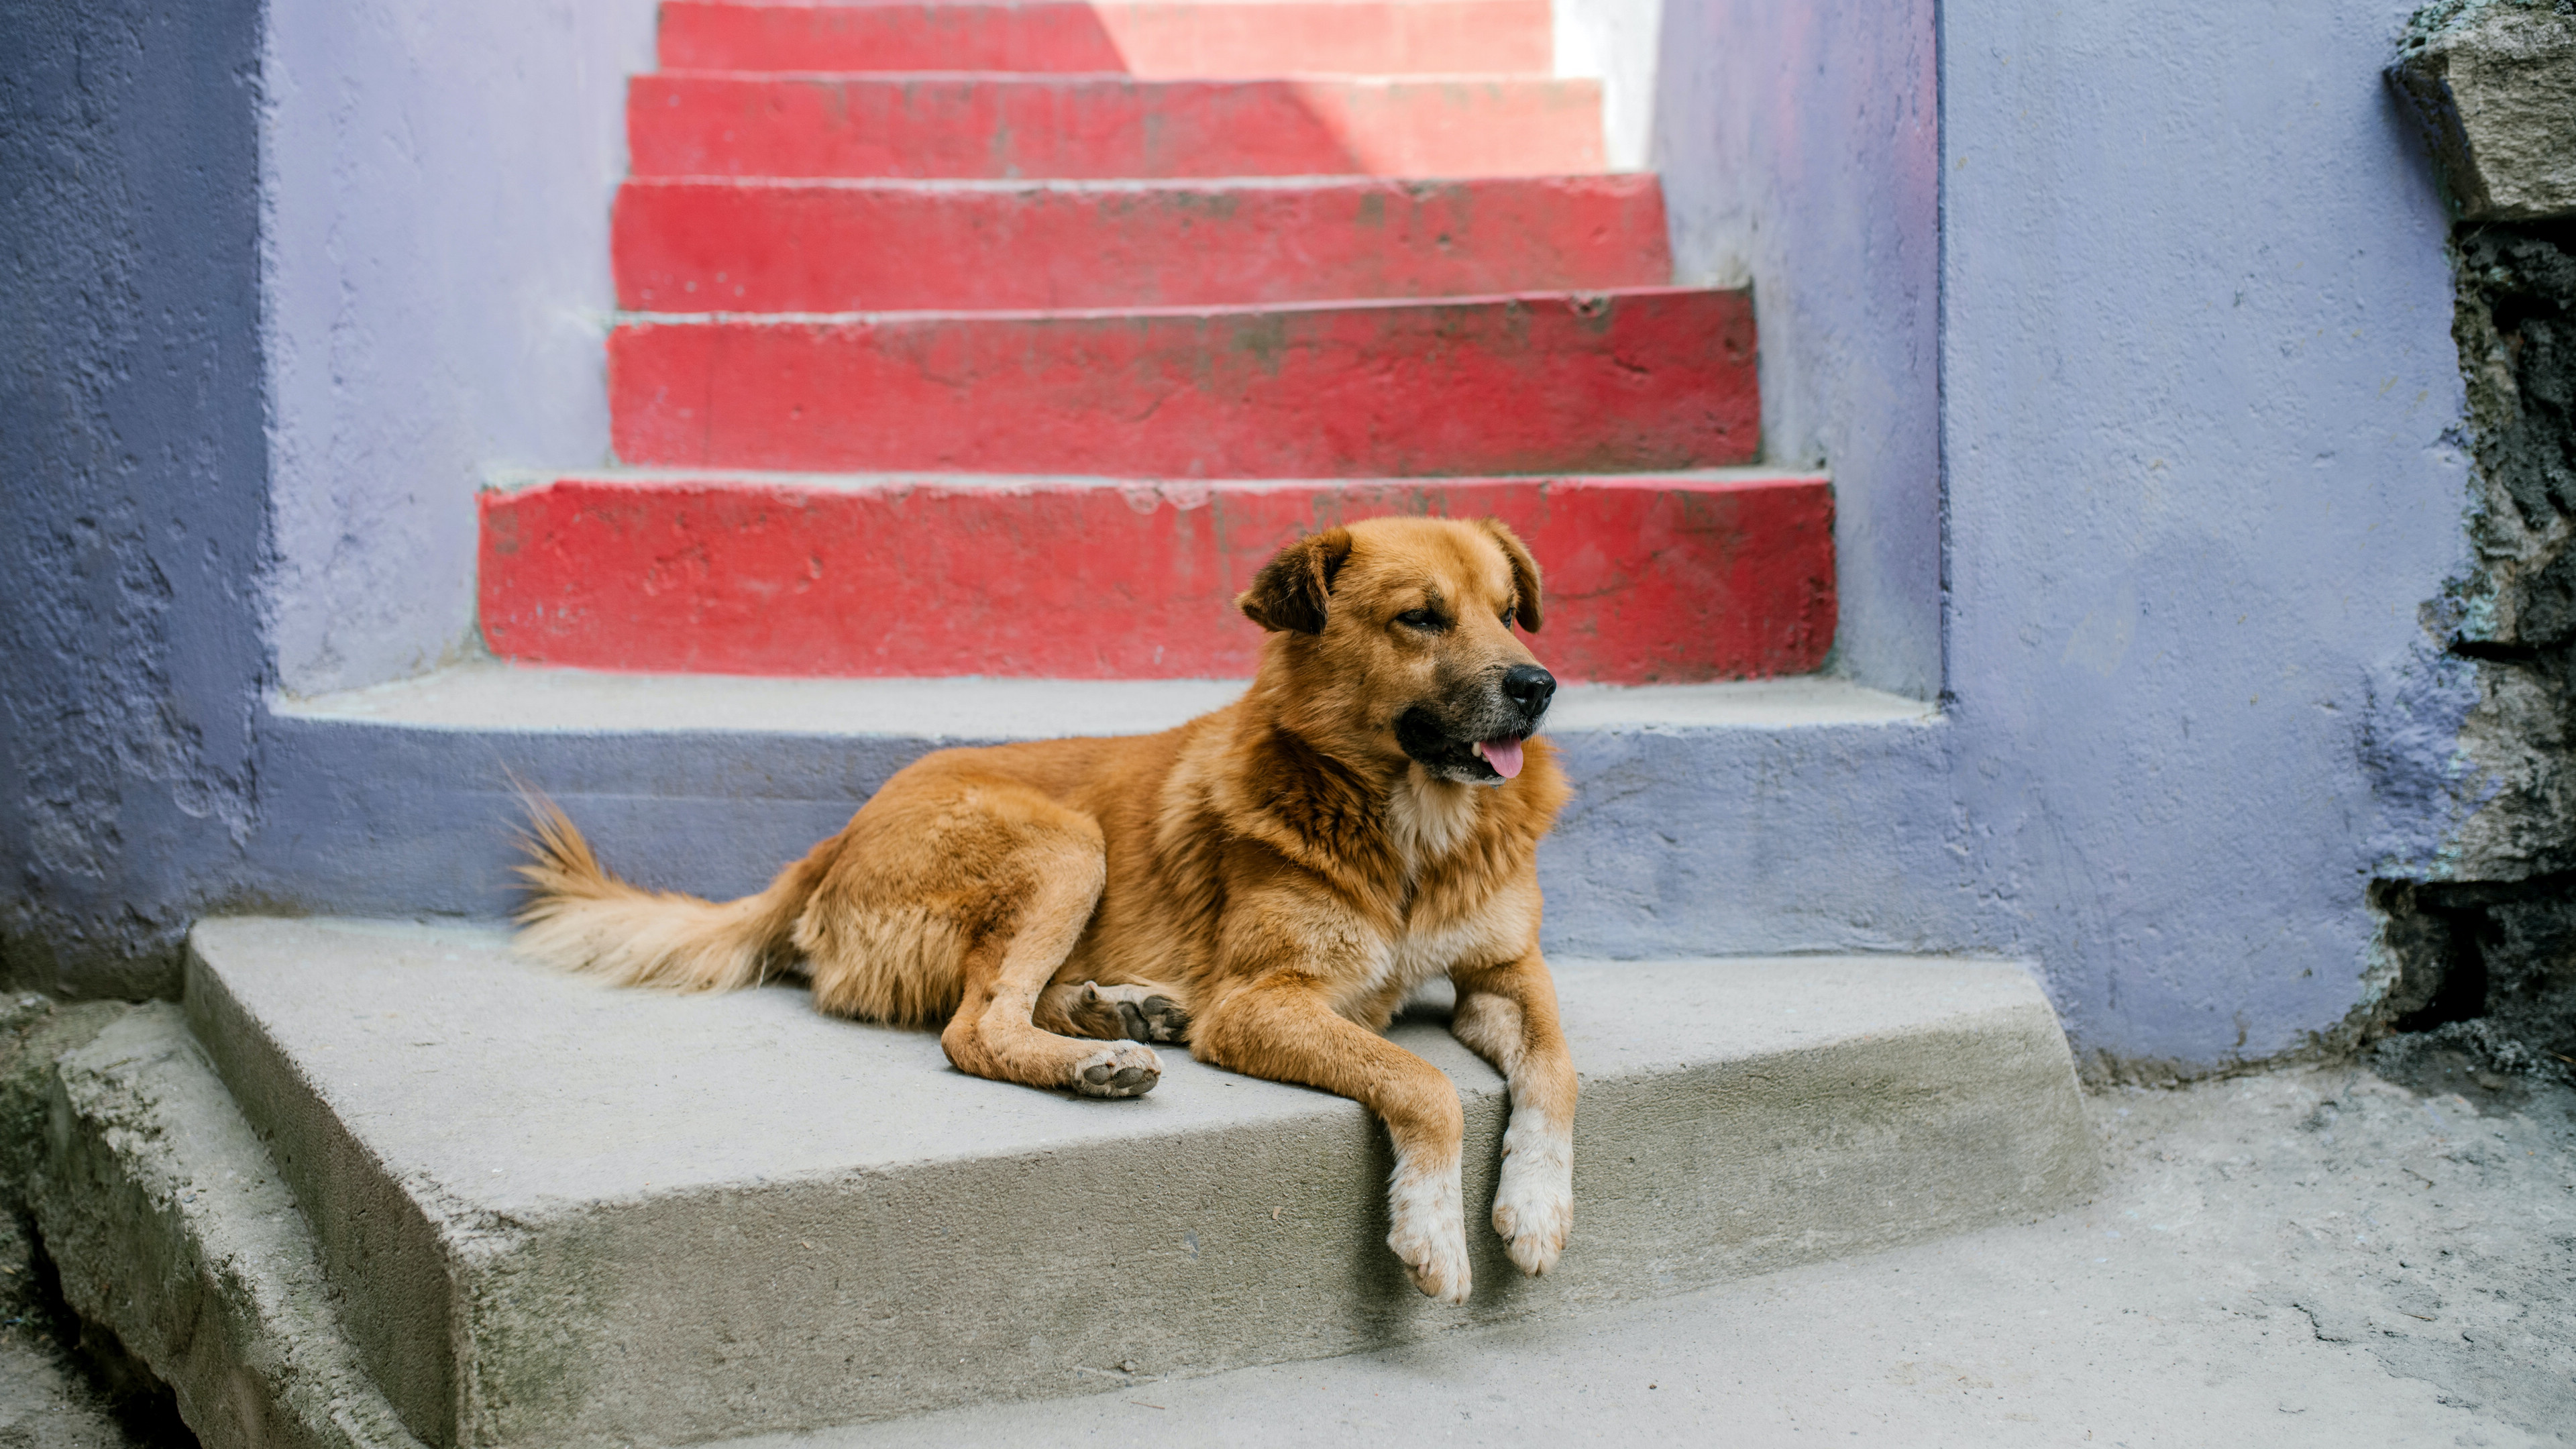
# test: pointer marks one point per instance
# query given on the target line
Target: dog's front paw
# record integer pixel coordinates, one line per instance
(1430, 1231)
(1534, 1201)
(1121, 1069)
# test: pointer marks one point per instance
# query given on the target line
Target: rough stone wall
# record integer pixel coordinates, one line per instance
(2492, 84)
(133, 476)
(2485, 929)
(2477, 750)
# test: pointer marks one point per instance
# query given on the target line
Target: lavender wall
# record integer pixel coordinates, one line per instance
(438, 176)
(2199, 402)
(282, 279)
(2191, 413)
(2179, 265)
(133, 475)
(1798, 149)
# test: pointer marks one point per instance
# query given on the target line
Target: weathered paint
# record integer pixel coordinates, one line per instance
(1651, 580)
(770, 246)
(1226, 38)
(1007, 127)
(1650, 379)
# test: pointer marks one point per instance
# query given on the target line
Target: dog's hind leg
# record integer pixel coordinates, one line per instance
(995, 1032)
(1132, 1012)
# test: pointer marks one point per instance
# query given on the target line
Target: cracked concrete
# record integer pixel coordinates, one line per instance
(45, 1403)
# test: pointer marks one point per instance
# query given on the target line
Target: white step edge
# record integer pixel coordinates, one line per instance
(494, 697)
(1179, 492)
(1097, 185)
(914, 316)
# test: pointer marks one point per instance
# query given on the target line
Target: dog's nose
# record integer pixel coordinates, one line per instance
(1530, 687)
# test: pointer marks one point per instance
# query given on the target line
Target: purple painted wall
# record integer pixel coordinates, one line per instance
(1799, 150)
(2199, 412)
(2193, 422)
(2166, 338)
(437, 181)
(133, 474)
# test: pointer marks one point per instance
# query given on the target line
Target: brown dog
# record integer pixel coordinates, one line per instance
(1268, 882)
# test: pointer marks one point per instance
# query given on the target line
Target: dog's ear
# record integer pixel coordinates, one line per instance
(1525, 606)
(1293, 590)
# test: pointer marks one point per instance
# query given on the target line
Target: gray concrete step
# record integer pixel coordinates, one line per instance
(560, 1213)
(1786, 815)
(169, 1224)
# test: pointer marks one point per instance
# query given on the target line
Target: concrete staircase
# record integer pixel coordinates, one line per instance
(538, 1211)
(973, 355)
(960, 320)
(976, 354)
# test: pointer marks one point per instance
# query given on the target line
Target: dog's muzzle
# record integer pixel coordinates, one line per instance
(1485, 747)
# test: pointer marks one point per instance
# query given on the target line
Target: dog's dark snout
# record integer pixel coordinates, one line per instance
(1530, 687)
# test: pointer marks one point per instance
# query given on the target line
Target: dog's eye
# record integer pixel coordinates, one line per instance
(1421, 619)
(1508, 615)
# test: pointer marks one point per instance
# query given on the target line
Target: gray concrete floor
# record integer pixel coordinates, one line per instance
(2304, 1257)
(47, 1403)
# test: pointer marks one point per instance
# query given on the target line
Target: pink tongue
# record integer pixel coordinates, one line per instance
(1503, 755)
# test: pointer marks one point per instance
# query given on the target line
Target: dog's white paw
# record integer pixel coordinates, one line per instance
(1534, 1201)
(1430, 1229)
(1120, 1069)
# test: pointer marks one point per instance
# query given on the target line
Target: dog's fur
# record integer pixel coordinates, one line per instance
(1268, 883)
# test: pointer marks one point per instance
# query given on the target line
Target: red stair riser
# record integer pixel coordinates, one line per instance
(1619, 382)
(703, 246)
(1648, 580)
(1107, 128)
(1404, 38)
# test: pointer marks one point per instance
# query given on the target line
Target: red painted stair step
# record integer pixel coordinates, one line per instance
(1652, 379)
(1649, 580)
(965, 267)
(1406, 37)
(1107, 127)
(772, 246)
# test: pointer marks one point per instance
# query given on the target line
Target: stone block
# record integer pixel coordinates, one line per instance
(2494, 87)
(171, 1226)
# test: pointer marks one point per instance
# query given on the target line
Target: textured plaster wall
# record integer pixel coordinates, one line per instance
(2201, 411)
(1798, 149)
(2196, 413)
(438, 175)
(133, 473)
(282, 280)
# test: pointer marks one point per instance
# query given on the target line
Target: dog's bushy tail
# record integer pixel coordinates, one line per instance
(578, 917)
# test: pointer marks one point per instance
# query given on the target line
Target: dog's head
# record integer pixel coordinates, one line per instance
(1395, 639)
